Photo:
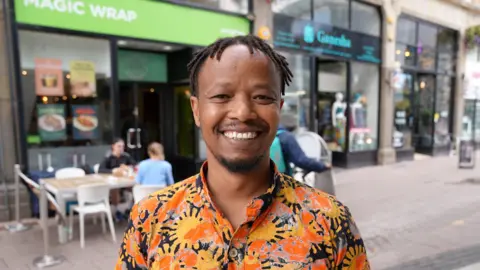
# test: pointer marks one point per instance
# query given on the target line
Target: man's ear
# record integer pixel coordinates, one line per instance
(194, 105)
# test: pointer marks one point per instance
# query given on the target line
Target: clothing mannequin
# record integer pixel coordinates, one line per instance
(358, 112)
(339, 120)
(338, 109)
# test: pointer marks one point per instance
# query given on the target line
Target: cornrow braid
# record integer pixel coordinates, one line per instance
(216, 49)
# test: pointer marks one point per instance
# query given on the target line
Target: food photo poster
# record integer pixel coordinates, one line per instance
(51, 122)
(48, 77)
(82, 79)
(85, 122)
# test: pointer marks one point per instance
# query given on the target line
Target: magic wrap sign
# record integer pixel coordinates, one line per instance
(321, 39)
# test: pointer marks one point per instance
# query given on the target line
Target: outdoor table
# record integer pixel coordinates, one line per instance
(61, 187)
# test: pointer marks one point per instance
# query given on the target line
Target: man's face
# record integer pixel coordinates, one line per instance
(237, 107)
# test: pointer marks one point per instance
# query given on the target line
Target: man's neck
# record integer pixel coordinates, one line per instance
(224, 184)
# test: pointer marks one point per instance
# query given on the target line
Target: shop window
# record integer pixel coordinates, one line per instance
(442, 109)
(424, 111)
(297, 94)
(406, 31)
(238, 6)
(468, 129)
(446, 62)
(426, 58)
(364, 107)
(365, 19)
(331, 12)
(185, 127)
(297, 9)
(427, 35)
(402, 133)
(332, 104)
(446, 40)
(405, 55)
(66, 99)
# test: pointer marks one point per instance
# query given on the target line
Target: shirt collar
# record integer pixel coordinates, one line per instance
(258, 205)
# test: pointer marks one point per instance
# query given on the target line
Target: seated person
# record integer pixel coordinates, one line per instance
(117, 163)
(155, 170)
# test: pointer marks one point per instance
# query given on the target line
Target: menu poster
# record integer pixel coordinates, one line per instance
(51, 122)
(82, 78)
(85, 122)
(48, 77)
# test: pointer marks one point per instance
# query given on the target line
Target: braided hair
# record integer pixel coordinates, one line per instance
(216, 49)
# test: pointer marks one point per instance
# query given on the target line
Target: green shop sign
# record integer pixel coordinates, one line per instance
(146, 19)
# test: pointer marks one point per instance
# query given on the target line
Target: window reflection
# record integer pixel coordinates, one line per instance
(405, 55)
(424, 94)
(365, 19)
(442, 111)
(332, 104)
(402, 135)
(406, 31)
(297, 94)
(332, 12)
(66, 96)
(298, 9)
(364, 107)
(426, 58)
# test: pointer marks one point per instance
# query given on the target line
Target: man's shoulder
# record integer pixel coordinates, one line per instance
(166, 199)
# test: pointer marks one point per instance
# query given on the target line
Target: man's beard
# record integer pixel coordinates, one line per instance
(240, 166)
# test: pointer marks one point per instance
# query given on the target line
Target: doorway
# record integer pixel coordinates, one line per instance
(140, 122)
(424, 111)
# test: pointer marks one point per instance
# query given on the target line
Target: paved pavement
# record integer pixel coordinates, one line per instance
(416, 215)
(413, 215)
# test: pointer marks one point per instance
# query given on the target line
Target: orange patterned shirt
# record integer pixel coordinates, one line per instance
(291, 226)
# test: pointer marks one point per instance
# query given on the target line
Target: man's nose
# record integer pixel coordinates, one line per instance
(242, 109)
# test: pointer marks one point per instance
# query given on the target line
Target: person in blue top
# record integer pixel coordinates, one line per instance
(155, 170)
(285, 150)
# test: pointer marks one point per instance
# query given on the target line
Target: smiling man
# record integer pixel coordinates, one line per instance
(239, 212)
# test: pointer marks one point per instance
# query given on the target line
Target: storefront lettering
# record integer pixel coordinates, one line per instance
(341, 41)
(325, 38)
(78, 7)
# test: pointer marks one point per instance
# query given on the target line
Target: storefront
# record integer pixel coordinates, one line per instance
(424, 91)
(90, 71)
(471, 116)
(334, 50)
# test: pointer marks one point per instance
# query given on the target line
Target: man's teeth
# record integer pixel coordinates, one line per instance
(240, 135)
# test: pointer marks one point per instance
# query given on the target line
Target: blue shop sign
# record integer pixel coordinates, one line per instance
(320, 39)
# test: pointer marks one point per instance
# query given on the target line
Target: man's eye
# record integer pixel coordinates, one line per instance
(221, 97)
(264, 98)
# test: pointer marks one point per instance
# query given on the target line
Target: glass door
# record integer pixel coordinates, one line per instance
(139, 117)
(424, 111)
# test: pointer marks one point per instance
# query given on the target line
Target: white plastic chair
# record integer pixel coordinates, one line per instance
(142, 191)
(92, 199)
(96, 167)
(69, 173)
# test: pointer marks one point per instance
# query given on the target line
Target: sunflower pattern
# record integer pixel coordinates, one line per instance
(291, 226)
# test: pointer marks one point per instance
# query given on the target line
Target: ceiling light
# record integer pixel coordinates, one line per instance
(167, 48)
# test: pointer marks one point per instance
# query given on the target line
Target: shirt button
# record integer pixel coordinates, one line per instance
(233, 253)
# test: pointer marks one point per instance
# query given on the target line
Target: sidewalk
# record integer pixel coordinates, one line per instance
(416, 215)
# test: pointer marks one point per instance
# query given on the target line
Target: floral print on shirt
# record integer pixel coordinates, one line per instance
(291, 226)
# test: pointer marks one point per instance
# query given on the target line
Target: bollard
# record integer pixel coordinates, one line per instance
(46, 260)
(18, 226)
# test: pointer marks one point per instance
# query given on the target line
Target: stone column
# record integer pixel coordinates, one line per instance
(458, 89)
(386, 153)
(263, 24)
(7, 131)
